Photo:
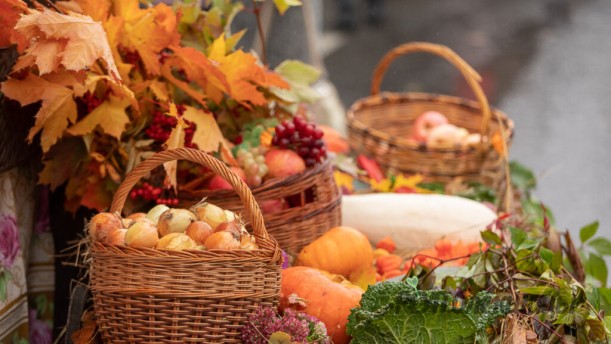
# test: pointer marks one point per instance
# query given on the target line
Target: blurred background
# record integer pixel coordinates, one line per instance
(547, 64)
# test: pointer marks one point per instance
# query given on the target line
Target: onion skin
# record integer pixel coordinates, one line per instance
(176, 242)
(210, 213)
(199, 231)
(174, 221)
(117, 237)
(156, 211)
(142, 234)
(102, 224)
(223, 240)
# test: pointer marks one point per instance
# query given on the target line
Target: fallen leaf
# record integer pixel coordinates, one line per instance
(79, 40)
(207, 135)
(57, 109)
(110, 116)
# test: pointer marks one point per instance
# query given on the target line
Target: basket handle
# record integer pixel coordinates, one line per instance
(199, 157)
(470, 75)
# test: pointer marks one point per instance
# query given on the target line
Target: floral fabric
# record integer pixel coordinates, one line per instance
(26, 260)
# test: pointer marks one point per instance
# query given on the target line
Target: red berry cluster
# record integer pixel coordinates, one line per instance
(91, 101)
(149, 192)
(303, 137)
(131, 57)
(161, 127)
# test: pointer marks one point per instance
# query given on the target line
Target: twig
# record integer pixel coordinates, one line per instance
(551, 329)
(257, 11)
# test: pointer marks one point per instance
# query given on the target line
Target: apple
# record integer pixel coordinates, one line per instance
(219, 183)
(271, 206)
(425, 123)
(446, 136)
(283, 163)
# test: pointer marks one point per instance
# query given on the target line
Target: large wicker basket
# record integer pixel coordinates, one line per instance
(379, 126)
(159, 296)
(316, 205)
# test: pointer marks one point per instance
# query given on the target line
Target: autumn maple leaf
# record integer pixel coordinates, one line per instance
(176, 140)
(243, 74)
(10, 12)
(110, 117)
(147, 31)
(73, 41)
(207, 135)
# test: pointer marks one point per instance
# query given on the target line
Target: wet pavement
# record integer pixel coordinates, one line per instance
(547, 64)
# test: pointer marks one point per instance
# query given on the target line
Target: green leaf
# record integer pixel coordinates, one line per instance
(518, 235)
(491, 238)
(607, 322)
(566, 318)
(597, 330)
(601, 245)
(300, 76)
(538, 290)
(547, 255)
(556, 263)
(597, 268)
(588, 231)
(523, 178)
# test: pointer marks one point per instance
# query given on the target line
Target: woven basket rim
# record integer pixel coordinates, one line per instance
(385, 98)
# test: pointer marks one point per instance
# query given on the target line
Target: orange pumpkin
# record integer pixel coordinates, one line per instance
(342, 251)
(327, 297)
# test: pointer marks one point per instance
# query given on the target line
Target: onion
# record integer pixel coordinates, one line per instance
(210, 213)
(102, 224)
(176, 242)
(142, 234)
(174, 221)
(156, 211)
(230, 215)
(222, 240)
(235, 227)
(199, 231)
(248, 242)
(117, 237)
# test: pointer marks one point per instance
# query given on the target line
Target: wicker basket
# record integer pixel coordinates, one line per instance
(159, 296)
(316, 208)
(379, 125)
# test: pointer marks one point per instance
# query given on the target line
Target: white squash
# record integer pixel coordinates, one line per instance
(416, 221)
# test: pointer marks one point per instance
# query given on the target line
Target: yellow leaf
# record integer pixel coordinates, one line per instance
(85, 40)
(284, 5)
(344, 180)
(110, 116)
(383, 185)
(114, 31)
(98, 10)
(497, 144)
(148, 31)
(409, 182)
(176, 140)
(363, 278)
(280, 337)
(207, 135)
(160, 90)
(57, 109)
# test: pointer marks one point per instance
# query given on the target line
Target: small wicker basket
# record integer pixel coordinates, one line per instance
(316, 208)
(379, 126)
(160, 296)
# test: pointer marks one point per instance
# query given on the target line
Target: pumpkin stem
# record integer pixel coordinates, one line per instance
(294, 299)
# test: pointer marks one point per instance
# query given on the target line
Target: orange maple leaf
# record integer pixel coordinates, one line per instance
(207, 135)
(243, 74)
(10, 12)
(74, 41)
(176, 140)
(147, 31)
(98, 10)
(110, 116)
(57, 110)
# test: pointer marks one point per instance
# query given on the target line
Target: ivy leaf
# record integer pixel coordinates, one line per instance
(491, 238)
(284, 5)
(207, 135)
(601, 245)
(110, 116)
(597, 268)
(57, 110)
(588, 231)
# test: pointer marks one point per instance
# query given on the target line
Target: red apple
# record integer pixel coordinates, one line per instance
(271, 206)
(219, 183)
(283, 163)
(425, 123)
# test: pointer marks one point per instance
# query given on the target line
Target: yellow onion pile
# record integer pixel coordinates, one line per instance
(203, 227)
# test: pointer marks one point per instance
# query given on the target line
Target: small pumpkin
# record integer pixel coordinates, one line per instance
(342, 250)
(318, 293)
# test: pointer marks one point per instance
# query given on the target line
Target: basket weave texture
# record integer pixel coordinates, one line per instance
(159, 296)
(380, 125)
(317, 205)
